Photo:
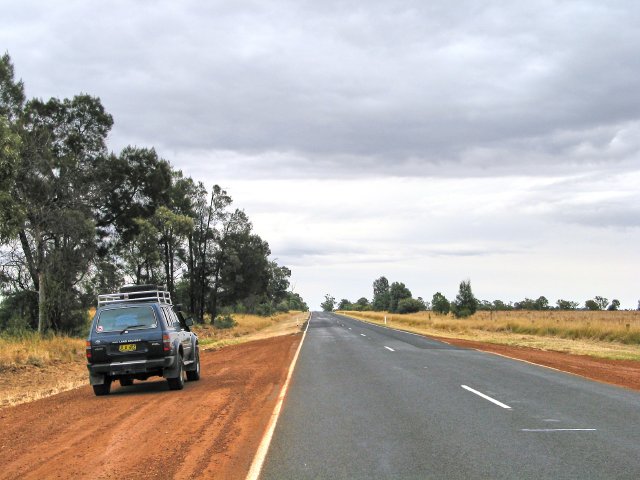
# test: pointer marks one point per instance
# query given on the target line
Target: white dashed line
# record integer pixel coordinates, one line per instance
(363, 334)
(486, 397)
(389, 348)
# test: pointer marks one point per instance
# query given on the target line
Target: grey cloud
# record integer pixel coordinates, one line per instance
(605, 214)
(355, 88)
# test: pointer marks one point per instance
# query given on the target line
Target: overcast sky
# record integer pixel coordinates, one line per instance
(427, 141)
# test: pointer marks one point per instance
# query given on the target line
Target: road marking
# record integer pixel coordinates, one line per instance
(389, 348)
(486, 397)
(559, 430)
(261, 453)
(349, 328)
(363, 334)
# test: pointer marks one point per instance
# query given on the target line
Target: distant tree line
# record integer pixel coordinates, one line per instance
(77, 220)
(397, 298)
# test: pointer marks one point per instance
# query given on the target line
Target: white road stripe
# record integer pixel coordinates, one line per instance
(363, 334)
(559, 430)
(486, 397)
(389, 348)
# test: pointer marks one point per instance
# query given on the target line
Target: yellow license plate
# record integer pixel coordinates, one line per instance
(129, 347)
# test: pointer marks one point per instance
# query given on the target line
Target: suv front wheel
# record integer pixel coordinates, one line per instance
(177, 383)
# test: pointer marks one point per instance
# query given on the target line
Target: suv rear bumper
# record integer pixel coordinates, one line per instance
(164, 366)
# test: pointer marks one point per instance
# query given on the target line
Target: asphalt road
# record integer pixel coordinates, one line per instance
(369, 402)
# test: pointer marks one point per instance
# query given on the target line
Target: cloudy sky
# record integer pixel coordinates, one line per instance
(427, 141)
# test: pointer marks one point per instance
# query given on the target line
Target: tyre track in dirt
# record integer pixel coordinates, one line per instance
(211, 429)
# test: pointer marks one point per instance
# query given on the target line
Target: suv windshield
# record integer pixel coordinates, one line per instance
(117, 319)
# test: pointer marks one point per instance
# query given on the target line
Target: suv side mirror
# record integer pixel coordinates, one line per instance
(189, 322)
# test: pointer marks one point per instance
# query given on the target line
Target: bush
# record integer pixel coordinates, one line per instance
(283, 307)
(264, 310)
(465, 303)
(440, 304)
(409, 305)
(224, 321)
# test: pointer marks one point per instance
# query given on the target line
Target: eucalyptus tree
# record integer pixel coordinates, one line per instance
(381, 297)
(329, 303)
(52, 189)
(397, 291)
(465, 303)
(440, 304)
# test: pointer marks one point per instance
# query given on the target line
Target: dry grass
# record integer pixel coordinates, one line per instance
(34, 367)
(603, 334)
(250, 327)
(32, 349)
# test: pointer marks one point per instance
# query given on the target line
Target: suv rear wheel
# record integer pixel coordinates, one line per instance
(103, 389)
(195, 373)
(177, 383)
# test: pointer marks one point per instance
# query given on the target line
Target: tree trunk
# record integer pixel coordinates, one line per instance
(166, 263)
(42, 319)
(171, 271)
(28, 255)
(192, 304)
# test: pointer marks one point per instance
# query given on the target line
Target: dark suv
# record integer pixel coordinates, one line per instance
(136, 334)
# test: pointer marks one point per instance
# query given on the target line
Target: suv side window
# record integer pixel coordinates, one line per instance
(167, 318)
(172, 319)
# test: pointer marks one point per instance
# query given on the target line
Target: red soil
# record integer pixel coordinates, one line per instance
(211, 429)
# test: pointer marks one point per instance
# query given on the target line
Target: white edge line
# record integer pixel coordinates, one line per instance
(389, 348)
(486, 397)
(261, 453)
(559, 430)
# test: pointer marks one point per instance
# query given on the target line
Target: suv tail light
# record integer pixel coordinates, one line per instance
(166, 343)
(88, 350)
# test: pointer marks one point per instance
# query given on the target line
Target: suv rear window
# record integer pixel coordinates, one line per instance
(117, 319)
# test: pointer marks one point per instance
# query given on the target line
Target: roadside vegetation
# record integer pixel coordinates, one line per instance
(597, 328)
(249, 327)
(30, 348)
(604, 334)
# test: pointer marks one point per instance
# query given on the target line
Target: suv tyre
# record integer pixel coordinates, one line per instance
(103, 389)
(194, 374)
(177, 383)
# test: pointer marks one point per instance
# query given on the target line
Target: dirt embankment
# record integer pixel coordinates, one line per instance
(211, 429)
(624, 373)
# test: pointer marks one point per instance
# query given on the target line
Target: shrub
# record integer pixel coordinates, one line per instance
(440, 304)
(265, 309)
(224, 321)
(465, 304)
(409, 305)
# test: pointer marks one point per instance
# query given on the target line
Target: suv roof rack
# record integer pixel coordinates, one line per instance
(154, 295)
